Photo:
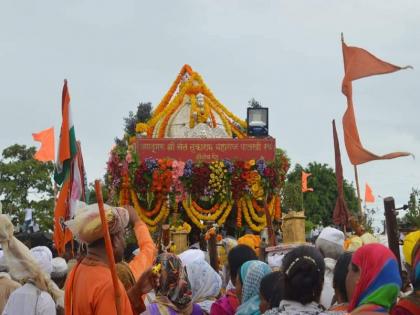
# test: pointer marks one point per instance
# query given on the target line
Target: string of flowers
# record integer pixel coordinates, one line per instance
(239, 213)
(254, 227)
(193, 110)
(163, 213)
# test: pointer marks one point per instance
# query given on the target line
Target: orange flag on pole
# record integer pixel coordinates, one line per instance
(369, 197)
(305, 182)
(46, 152)
(359, 63)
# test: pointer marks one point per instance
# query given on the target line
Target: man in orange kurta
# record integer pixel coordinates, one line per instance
(89, 289)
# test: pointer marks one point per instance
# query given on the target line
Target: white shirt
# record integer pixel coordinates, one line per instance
(28, 214)
(327, 293)
(29, 300)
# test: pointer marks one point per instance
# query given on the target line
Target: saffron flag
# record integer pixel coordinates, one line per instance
(359, 63)
(305, 182)
(340, 214)
(67, 151)
(46, 152)
(369, 197)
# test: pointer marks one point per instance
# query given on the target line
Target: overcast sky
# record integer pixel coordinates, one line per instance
(286, 54)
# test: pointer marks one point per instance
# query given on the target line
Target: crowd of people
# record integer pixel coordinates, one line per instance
(332, 276)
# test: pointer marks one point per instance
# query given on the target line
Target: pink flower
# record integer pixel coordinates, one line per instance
(128, 157)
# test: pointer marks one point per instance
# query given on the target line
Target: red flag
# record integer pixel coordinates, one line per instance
(340, 214)
(369, 197)
(305, 182)
(46, 152)
(359, 63)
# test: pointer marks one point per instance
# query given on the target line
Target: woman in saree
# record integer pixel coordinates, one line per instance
(248, 281)
(173, 294)
(373, 280)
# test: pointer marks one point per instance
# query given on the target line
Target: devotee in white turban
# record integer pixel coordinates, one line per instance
(330, 243)
(59, 271)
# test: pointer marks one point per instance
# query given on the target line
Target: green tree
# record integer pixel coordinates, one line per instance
(412, 216)
(26, 182)
(319, 204)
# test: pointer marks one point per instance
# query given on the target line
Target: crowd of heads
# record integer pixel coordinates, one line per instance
(322, 278)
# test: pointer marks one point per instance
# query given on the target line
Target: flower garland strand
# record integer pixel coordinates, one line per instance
(163, 214)
(254, 227)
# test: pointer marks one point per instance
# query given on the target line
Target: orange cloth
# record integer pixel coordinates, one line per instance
(148, 251)
(62, 234)
(359, 63)
(46, 151)
(305, 182)
(89, 290)
(369, 197)
(252, 241)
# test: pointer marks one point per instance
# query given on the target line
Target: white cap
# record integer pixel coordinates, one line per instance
(59, 267)
(43, 256)
(333, 235)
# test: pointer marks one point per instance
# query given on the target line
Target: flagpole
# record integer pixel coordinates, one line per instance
(359, 200)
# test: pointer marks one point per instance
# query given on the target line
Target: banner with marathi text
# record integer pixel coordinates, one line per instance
(206, 149)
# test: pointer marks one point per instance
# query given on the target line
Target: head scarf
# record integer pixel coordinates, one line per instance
(43, 256)
(87, 225)
(410, 242)
(205, 283)
(251, 274)
(190, 255)
(174, 289)
(21, 263)
(380, 281)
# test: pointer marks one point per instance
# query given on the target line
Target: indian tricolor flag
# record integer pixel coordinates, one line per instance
(67, 151)
(67, 148)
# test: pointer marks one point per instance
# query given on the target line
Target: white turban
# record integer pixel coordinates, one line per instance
(59, 267)
(43, 257)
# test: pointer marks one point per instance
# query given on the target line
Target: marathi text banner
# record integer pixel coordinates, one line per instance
(206, 149)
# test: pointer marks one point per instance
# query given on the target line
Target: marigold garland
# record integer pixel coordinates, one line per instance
(277, 213)
(239, 213)
(200, 216)
(163, 214)
(185, 69)
(213, 209)
(254, 227)
(227, 212)
(213, 119)
(193, 109)
(251, 210)
(191, 216)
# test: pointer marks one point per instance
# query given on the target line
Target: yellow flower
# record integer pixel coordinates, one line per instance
(252, 162)
(255, 187)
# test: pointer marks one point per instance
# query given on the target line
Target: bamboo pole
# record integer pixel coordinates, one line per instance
(359, 200)
(108, 245)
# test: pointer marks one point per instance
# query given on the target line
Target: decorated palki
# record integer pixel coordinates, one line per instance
(201, 190)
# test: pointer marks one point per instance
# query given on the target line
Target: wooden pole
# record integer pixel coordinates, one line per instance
(212, 249)
(392, 228)
(271, 236)
(108, 245)
(359, 200)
